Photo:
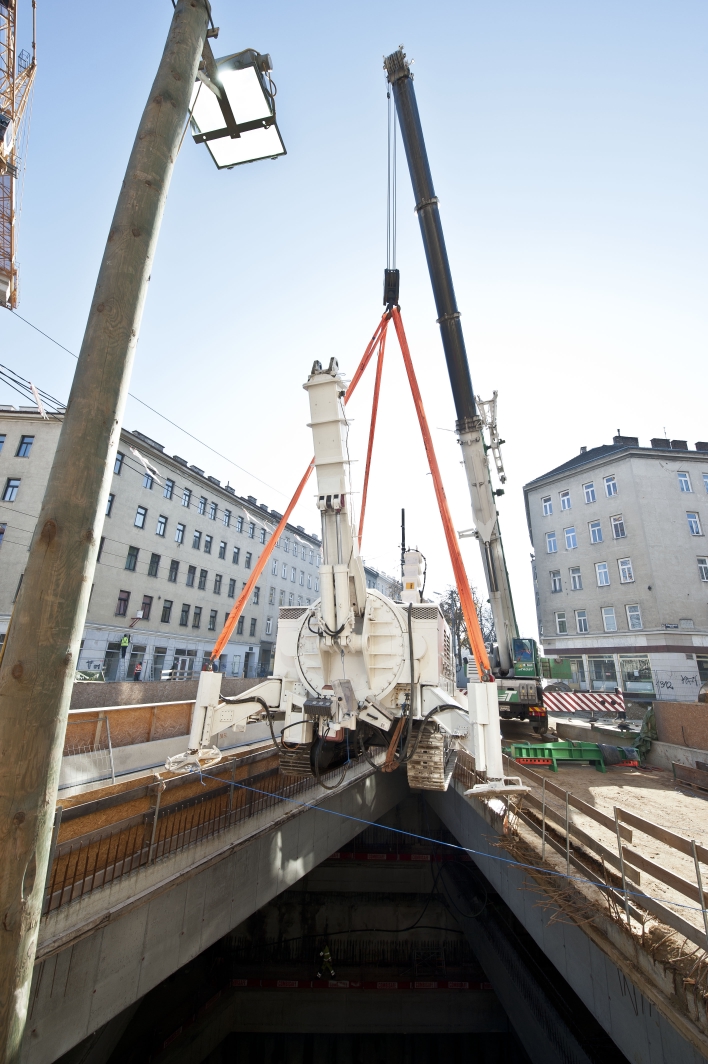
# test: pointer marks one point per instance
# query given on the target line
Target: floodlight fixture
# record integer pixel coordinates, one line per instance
(233, 108)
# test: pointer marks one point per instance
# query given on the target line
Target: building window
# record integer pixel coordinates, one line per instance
(154, 565)
(203, 573)
(284, 572)
(232, 589)
(556, 584)
(271, 595)
(169, 489)
(217, 584)
(226, 518)
(274, 567)
(269, 626)
(256, 595)
(694, 524)
(2, 440)
(610, 487)
(239, 626)
(179, 533)
(293, 574)
(581, 621)
(684, 482)
(239, 524)
(140, 517)
(197, 617)
(309, 579)
(212, 620)
(252, 628)
(312, 557)
(636, 675)
(618, 529)
(166, 610)
(705, 481)
(302, 578)
(571, 540)
(317, 583)
(565, 500)
(118, 464)
(12, 486)
(703, 568)
(262, 535)
(603, 574)
(197, 540)
(222, 548)
(186, 497)
(201, 506)
(561, 624)
(251, 529)
(23, 451)
(132, 559)
(281, 598)
(247, 561)
(122, 604)
(161, 525)
(174, 570)
(589, 490)
(547, 506)
(148, 481)
(212, 511)
(634, 618)
(109, 505)
(236, 556)
(609, 621)
(208, 540)
(625, 570)
(576, 580)
(595, 532)
(146, 607)
(299, 600)
(100, 545)
(184, 615)
(191, 573)
(286, 545)
(291, 598)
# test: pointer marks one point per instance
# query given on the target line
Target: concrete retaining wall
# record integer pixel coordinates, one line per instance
(127, 693)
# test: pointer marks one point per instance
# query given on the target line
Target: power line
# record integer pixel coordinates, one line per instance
(154, 411)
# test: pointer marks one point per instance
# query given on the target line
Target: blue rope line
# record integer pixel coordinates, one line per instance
(453, 845)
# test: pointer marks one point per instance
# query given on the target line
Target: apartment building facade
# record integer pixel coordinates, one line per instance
(620, 566)
(176, 549)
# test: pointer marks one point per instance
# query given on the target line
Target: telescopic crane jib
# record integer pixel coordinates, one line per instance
(515, 657)
(17, 71)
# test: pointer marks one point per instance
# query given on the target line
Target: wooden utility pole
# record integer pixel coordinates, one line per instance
(40, 656)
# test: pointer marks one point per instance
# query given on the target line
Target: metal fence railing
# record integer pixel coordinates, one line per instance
(88, 862)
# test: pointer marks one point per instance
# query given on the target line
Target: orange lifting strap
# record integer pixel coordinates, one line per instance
(468, 609)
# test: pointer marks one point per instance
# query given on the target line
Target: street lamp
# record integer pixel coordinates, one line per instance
(233, 109)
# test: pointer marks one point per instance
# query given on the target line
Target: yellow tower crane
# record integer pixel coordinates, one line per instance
(16, 78)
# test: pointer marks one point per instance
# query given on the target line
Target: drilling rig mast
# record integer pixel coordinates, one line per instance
(16, 79)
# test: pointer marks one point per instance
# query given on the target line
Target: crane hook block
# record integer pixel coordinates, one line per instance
(391, 282)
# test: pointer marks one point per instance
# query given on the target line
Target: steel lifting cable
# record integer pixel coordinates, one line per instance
(242, 600)
(372, 430)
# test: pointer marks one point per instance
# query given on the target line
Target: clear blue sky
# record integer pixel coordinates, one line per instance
(568, 148)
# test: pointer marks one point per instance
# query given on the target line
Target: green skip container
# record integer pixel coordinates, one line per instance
(553, 754)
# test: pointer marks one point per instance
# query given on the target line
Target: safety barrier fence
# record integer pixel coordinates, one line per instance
(616, 870)
(95, 859)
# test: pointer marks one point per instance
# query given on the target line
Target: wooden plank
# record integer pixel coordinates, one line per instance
(656, 908)
(677, 842)
(695, 777)
(664, 875)
(582, 836)
(577, 803)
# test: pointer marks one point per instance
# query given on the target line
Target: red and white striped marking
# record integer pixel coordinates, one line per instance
(572, 701)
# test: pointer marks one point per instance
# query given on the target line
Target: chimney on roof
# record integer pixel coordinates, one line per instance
(252, 499)
(679, 445)
(583, 450)
(701, 446)
(625, 441)
(660, 444)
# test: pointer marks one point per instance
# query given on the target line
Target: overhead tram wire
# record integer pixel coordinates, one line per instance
(164, 417)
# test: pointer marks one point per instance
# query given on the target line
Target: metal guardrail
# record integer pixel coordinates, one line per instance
(84, 864)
